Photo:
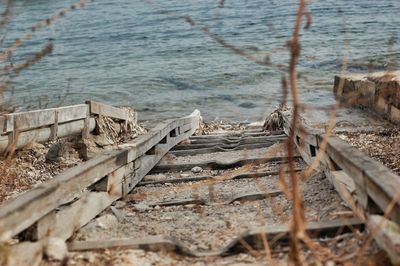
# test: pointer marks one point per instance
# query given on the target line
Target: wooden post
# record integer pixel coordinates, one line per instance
(85, 131)
(54, 127)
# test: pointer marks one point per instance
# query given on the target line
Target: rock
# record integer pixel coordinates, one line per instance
(141, 207)
(157, 207)
(56, 249)
(89, 257)
(330, 263)
(106, 221)
(120, 204)
(156, 177)
(87, 148)
(197, 169)
(118, 214)
(185, 175)
(185, 142)
(103, 140)
(247, 105)
(55, 153)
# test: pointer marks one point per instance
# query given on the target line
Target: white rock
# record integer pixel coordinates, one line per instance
(107, 221)
(89, 257)
(185, 175)
(118, 214)
(330, 263)
(56, 249)
(197, 169)
(141, 207)
(120, 204)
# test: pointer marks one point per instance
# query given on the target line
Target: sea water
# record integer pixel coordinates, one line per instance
(145, 55)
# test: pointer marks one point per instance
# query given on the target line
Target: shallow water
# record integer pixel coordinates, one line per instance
(133, 53)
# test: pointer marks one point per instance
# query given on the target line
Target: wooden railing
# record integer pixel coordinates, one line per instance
(19, 129)
(361, 181)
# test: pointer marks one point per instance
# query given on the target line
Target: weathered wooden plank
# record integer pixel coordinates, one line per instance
(379, 182)
(70, 219)
(70, 113)
(343, 184)
(40, 118)
(281, 234)
(307, 135)
(2, 124)
(387, 235)
(107, 110)
(21, 212)
(274, 234)
(218, 164)
(45, 133)
(30, 120)
(152, 243)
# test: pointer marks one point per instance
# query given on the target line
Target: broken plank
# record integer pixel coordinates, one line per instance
(217, 164)
(280, 234)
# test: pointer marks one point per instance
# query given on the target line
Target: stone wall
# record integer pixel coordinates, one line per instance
(378, 91)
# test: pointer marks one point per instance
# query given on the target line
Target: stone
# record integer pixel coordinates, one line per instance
(183, 175)
(106, 221)
(103, 140)
(141, 207)
(56, 152)
(197, 169)
(120, 204)
(330, 263)
(89, 257)
(56, 249)
(118, 214)
(87, 148)
(157, 177)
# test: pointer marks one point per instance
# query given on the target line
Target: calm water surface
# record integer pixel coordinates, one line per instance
(133, 53)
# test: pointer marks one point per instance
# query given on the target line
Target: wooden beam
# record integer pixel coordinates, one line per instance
(107, 110)
(41, 118)
(377, 181)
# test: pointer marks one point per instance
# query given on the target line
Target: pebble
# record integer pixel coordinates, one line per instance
(107, 221)
(141, 207)
(157, 207)
(197, 169)
(185, 175)
(330, 263)
(89, 257)
(120, 204)
(236, 202)
(118, 214)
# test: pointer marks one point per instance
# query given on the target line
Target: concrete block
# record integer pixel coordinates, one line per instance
(346, 83)
(366, 92)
